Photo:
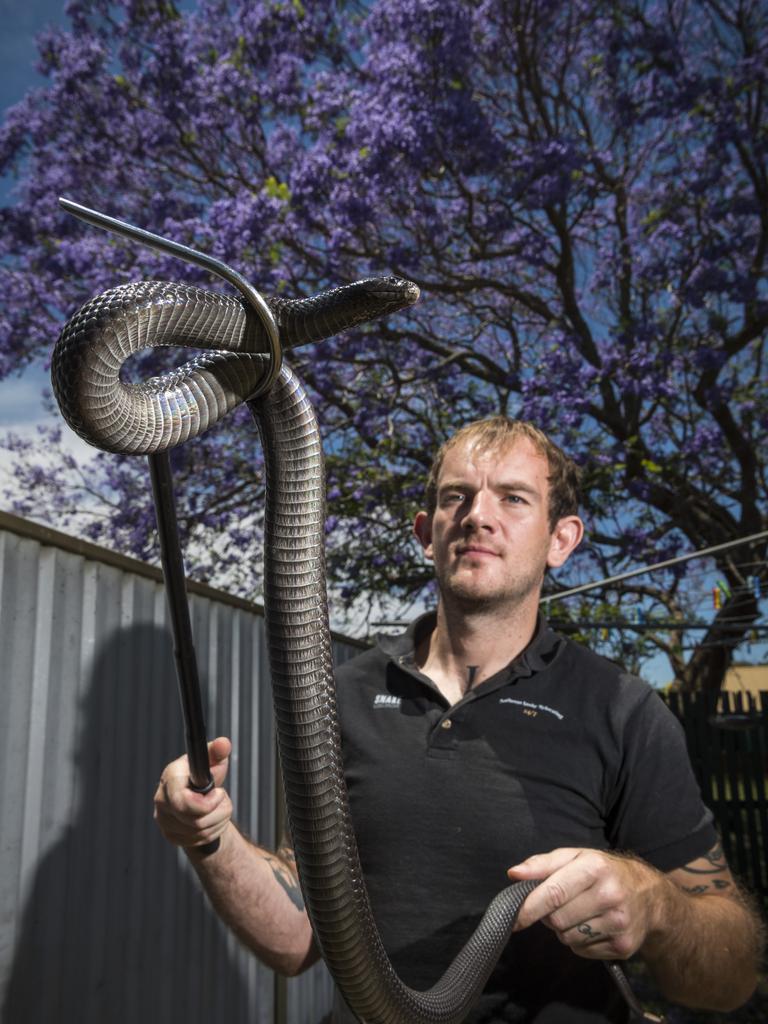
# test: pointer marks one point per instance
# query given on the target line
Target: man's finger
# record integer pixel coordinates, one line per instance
(542, 865)
(174, 793)
(564, 874)
(188, 833)
(583, 907)
(218, 758)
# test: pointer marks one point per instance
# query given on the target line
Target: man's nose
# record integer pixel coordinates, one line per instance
(479, 513)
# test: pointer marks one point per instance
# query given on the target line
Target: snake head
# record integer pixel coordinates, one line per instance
(393, 292)
(302, 321)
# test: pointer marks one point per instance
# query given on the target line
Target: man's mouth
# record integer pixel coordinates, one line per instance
(476, 549)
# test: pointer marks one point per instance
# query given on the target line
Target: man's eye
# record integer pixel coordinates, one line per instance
(515, 499)
(452, 497)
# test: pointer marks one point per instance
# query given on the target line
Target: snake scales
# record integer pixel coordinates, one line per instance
(168, 410)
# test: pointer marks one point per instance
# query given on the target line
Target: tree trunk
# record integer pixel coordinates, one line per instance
(706, 670)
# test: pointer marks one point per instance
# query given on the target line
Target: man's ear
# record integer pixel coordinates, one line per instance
(566, 537)
(422, 531)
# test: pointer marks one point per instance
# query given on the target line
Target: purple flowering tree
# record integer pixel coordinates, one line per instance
(580, 190)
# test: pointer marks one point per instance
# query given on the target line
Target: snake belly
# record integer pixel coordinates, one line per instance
(165, 411)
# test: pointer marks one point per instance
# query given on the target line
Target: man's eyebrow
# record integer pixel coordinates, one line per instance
(507, 486)
(454, 485)
(518, 485)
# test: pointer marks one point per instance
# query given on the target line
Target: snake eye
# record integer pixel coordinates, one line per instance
(394, 288)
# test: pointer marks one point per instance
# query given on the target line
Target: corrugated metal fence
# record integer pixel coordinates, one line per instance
(101, 920)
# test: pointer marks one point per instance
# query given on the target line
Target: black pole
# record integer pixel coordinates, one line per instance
(200, 778)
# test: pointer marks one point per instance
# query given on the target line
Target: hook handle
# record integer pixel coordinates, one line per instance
(200, 778)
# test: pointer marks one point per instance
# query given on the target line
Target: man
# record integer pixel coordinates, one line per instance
(481, 739)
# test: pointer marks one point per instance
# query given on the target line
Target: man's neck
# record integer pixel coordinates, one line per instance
(465, 649)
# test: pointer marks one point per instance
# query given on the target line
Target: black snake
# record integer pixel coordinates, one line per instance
(168, 410)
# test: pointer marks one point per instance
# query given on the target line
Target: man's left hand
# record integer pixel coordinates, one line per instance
(602, 905)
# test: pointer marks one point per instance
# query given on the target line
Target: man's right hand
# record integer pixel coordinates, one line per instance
(191, 819)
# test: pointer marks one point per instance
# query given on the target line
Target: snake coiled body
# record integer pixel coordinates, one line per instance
(165, 411)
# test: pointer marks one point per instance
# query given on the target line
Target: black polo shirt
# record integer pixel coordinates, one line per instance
(561, 748)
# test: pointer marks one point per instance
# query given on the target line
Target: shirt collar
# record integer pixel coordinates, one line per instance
(539, 653)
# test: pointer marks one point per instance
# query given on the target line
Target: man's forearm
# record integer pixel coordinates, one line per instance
(705, 950)
(256, 893)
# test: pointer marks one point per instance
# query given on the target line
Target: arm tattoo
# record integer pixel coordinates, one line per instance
(715, 863)
(719, 883)
(283, 866)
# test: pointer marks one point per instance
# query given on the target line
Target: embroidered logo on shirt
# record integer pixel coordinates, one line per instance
(530, 708)
(386, 700)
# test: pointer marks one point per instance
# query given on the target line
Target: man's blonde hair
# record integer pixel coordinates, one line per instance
(499, 432)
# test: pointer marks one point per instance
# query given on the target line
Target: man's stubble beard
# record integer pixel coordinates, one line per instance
(469, 599)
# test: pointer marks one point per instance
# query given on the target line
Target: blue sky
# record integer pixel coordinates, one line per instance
(22, 20)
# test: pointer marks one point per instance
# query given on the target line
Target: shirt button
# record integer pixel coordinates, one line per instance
(446, 724)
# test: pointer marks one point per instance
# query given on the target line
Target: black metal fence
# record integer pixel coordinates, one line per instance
(727, 736)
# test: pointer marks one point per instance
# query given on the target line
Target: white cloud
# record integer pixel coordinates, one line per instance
(71, 444)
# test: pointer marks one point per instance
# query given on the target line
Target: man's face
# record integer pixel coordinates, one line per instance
(489, 536)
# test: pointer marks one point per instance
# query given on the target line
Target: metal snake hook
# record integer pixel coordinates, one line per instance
(200, 778)
(199, 259)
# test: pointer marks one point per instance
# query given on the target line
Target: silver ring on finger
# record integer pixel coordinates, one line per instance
(586, 929)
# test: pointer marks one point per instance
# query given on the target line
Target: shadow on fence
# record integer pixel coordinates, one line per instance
(113, 929)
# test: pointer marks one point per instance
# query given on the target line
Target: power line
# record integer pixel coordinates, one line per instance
(702, 553)
(668, 625)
